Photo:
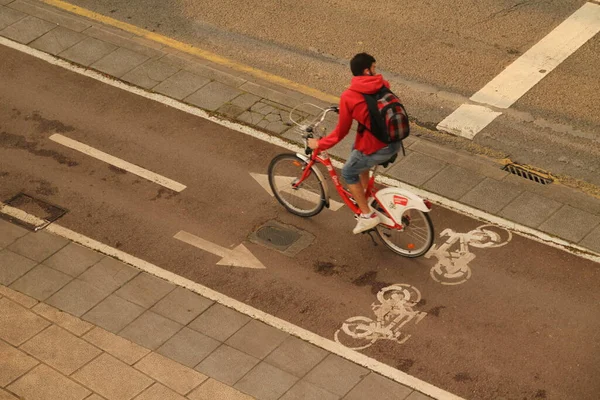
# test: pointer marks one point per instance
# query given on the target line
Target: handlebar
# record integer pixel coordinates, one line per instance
(309, 130)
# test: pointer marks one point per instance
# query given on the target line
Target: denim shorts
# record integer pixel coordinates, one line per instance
(360, 162)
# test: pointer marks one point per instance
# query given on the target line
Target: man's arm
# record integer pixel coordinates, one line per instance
(340, 131)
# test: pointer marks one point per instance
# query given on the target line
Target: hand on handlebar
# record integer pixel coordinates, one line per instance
(313, 143)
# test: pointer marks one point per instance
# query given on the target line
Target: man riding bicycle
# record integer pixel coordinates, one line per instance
(367, 151)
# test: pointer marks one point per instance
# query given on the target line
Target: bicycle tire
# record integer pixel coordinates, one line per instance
(305, 201)
(410, 251)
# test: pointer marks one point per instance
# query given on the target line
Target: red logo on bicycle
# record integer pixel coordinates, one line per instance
(400, 200)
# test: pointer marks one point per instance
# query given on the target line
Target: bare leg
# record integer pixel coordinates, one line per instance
(358, 192)
(364, 179)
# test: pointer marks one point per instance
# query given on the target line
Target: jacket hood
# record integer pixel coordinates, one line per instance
(366, 83)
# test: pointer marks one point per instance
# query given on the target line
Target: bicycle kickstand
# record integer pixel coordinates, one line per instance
(369, 232)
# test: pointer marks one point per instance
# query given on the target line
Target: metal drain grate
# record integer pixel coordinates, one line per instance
(39, 209)
(527, 173)
(278, 236)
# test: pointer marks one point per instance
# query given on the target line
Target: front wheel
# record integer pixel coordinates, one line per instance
(416, 237)
(307, 198)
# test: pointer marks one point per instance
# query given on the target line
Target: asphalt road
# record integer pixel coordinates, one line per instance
(523, 326)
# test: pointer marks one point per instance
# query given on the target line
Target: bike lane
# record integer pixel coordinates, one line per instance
(513, 320)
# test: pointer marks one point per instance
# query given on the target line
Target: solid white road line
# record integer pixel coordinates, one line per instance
(275, 322)
(525, 72)
(117, 162)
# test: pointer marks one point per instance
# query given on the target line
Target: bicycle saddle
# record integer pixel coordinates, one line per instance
(390, 161)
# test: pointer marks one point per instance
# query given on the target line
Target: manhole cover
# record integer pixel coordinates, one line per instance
(527, 173)
(40, 209)
(286, 239)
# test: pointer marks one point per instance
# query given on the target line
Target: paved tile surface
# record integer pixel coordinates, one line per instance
(304, 390)
(375, 385)
(416, 169)
(145, 290)
(13, 266)
(38, 246)
(9, 233)
(88, 51)
(112, 378)
(336, 375)
(41, 282)
(257, 339)
(212, 389)
(530, 209)
(150, 74)
(212, 96)
(62, 319)
(181, 85)
(60, 349)
(8, 16)
(56, 386)
(170, 373)
(227, 364)
(219, 322)
(119, 62)
(188, 347)
(159, 392)
(27, 30)
(491, 195)
(266, 382)
(113, 313)
(121, 348)
(181, 305)
(77, 297)
(13, 363)
(18, 324)
(150, 330)
(453, 182)
(296, 356)
(57, 40)
(109, 274)
(571, 223)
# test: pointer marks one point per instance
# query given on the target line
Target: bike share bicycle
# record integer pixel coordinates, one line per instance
(300, 187)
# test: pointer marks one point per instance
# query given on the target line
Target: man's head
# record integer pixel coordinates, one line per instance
(362, 64)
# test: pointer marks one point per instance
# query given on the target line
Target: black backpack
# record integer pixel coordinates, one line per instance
(389, 120)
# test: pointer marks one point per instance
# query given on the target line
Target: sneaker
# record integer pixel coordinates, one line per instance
(365, 224)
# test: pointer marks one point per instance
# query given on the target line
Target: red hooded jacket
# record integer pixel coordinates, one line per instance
(353, 106)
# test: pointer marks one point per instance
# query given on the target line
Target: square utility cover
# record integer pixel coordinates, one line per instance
(38, 208)
(286, 239)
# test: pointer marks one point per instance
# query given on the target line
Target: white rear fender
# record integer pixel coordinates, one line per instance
(395, 201)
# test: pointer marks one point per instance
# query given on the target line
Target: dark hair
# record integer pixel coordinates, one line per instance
(360, 62)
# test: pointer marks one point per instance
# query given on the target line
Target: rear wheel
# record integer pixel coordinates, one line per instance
(308, 198)
(416, 237)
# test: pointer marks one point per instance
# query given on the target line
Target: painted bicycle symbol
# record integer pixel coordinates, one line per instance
(395, 310)
(454, 256)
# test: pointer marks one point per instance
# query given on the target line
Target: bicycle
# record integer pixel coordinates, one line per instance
(300, 187)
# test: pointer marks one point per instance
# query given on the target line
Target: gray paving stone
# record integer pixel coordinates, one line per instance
(61, 350)
(123, 349)
(263, 108)
(9, 233)
(17, 297)
(5, 2)
(592, 241)
(170, 373)
(188, 347)
(74, 23)
(182, 305)
(245, 100)
(88, 51)
(113, 313)
(270, 94)
(296, 356)
(491, 195)
(416, 169)
(570, 223)
(304, 391)
(150, 330)
(277, 127)
(453, 182)
(17, 324)
(213, 96)
(145, 290)
(57, 40)
(257, 339)
(112, 378)
(230, 110)
(55, 386)
(77, 297)
(250, 117)
(377, 386)
(119, 62)
(62, 319)
(181, 85)
(8, 16)
(124, 40)
(530, 209)
(227, 364)
(27, 29)
(266, 382)
(109, 274)
(13, 266)
(41, 282)
(73, 259)
(213, 390)
(13, 363)
(38, 246)
(150, 74)
(219, 322)
(336, 375)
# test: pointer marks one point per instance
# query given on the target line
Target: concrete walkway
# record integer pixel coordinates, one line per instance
(76, 324)
(462, 179)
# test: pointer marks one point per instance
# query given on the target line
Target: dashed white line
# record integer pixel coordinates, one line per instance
(117, 162)
(525, 72)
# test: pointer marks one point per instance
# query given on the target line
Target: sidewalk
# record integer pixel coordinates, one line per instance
(465, 179)
(75, 324)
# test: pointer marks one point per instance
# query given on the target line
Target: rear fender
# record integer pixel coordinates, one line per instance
(396, 201)
(319, 174)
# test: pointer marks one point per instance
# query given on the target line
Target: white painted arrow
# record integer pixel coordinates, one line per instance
(237, 257)
(285, 182)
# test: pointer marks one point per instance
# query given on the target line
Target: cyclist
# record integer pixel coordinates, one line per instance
(367, 150)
